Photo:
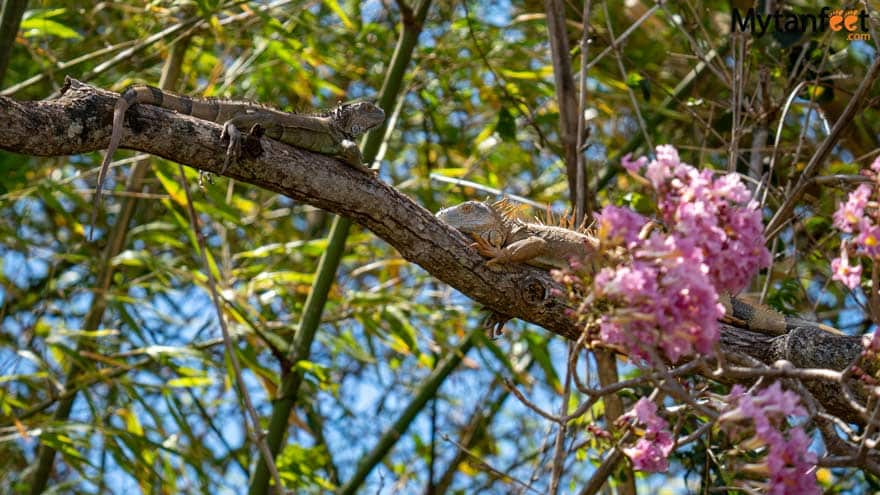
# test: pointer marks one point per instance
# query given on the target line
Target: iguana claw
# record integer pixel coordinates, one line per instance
(493, 324)
(233, 149)
(351, 154)
(495, 254)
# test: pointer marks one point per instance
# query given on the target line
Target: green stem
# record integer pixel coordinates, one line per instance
(329, 263)
(11, 13)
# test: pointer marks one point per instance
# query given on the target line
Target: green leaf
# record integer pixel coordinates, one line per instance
(637, 81)
(36, 27)
(337, 9)
(403, 334)
(639, 202)
(190, 381)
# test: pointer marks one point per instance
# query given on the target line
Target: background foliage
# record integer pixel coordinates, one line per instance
(157, 410)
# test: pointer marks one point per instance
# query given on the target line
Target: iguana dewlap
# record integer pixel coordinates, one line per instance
(506, 239)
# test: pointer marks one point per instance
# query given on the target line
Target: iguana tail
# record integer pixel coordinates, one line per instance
(765, 320)
(214, 110)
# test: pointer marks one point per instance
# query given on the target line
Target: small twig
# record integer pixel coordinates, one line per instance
(736, 95)
(485, 465)
(821, 154)
(572, 364)
(530, 120)
(642, 125)
(784, 113)
(781, 369)
(558, 451)
(62, 66)
(595, 394)
(488, 189)
(697, 49)
(760, 133)
(584, 207)
(873, 31)
(623, 36)
(874, 299)
(258, 436)
(862, 452)
(526, 402)
(840, 179)
(605, 469)
(680, 442)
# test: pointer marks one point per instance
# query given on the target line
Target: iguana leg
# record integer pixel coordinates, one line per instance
(517, 252)
(351, 154)
(486, 249)
(493, 323)
(233, 149)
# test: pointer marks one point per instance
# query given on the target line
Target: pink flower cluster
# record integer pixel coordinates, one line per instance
(716, 214)
(664, 294)
(618, 226)
(662, 298)
(651, 452)
(856, 217)
(789, 466)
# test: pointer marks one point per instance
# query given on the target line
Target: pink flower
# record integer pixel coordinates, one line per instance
(644, 411)
(619, 226)
(633, 165)
(868, 240)
(848, 275)
(871, 342)
(875, 165)
(849, 214)
(666, 295)
(651, 452)
(790, 463)
(649, 456)
(662, 299)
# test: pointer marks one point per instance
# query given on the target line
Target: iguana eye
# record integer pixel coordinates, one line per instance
(466, 208)
(356, 129)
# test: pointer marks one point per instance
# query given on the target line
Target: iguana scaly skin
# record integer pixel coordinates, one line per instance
(502, 237)
(331, 133)
(762, 319)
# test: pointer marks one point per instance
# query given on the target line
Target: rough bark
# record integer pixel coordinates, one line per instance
(79, 122)
(806, 347)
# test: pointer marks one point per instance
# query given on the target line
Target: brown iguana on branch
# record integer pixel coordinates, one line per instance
(504, 238)
(331, 133)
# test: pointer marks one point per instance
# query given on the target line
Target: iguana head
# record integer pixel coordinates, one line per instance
(355, 118)
(476, 218)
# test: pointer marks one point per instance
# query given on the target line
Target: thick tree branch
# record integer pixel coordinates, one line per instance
(79, 122)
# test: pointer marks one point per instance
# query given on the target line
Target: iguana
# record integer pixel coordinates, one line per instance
(503, 237)
(331, 133)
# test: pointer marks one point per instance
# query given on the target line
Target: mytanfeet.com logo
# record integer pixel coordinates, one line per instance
(852, 22)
